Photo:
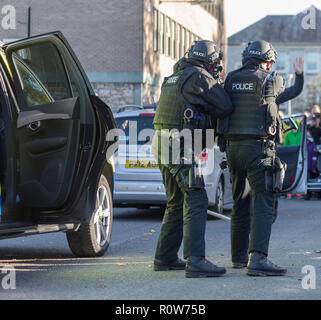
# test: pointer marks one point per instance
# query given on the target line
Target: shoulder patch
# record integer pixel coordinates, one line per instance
(172, 79)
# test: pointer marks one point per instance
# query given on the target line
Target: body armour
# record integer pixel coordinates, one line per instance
(253, 93)
(171, 105)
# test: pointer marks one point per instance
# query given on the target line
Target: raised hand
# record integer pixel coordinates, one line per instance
(299, 65)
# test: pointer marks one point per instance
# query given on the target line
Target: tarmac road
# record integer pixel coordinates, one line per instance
(46, 269)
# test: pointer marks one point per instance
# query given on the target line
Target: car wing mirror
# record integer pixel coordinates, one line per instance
(293, 127)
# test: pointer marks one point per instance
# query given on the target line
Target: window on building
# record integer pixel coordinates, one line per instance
(183, 41)
(173, 40)
(168, 37)
(155, 30)
(178, 42)
(210, 8)
(281, 63)
(188, 40)
(312, 62)
(162, 33)
(192, 38)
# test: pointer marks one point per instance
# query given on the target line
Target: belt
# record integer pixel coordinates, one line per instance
(246, 141)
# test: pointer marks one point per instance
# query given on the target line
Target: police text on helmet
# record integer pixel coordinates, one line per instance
(200, 54)
(255, 52)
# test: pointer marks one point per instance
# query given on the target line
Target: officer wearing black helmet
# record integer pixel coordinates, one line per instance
(191, 98)
(251, 133)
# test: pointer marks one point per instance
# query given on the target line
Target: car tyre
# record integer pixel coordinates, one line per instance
(308, 196)
(92, 239)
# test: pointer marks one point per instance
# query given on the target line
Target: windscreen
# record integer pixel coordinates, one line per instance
(138, 128)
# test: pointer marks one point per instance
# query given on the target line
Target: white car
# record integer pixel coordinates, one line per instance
(138, 183)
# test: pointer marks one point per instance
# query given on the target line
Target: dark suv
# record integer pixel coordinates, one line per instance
(54, 172)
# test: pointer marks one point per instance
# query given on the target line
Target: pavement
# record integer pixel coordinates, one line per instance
(46, 269)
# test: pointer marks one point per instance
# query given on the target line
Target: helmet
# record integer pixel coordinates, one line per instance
(260, 50)
(205, 51)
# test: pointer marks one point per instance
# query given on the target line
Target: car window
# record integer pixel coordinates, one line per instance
(129, 124)
(293, 137)
(33, 89)
(42, 74)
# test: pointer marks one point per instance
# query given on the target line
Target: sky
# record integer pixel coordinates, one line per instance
(242, 13)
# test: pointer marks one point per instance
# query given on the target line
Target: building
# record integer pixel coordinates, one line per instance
(292, 37)
(126, 47)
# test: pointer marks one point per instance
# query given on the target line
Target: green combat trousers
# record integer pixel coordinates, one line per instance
(251, 168)
(185, 214)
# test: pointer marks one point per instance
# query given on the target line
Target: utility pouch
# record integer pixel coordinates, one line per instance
(196, 180)
(279, 175)
(269, 178)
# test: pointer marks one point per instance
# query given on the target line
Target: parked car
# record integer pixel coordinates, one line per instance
(295, 156)
(138, 182)
(54, 173)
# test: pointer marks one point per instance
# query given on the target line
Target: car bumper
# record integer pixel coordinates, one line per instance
(314, 185)
(139, 193)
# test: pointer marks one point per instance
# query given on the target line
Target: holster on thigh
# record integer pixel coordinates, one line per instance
(190, 177)
(269, 180)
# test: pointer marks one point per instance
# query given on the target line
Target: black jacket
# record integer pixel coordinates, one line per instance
(292, 92)
(203, 91)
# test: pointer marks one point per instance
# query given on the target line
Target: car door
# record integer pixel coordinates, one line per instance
(294, 153)
(55, 120)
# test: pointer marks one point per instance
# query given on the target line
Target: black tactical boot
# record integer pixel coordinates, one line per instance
(199, 267)
(259, 265)
(239, 265)
(169, 265)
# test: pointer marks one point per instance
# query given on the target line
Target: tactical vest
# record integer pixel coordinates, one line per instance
(170, 109)
(252, 94)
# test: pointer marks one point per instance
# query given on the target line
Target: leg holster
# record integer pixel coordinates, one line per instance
(279, 174)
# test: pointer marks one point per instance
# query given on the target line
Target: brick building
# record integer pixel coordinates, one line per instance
(125, 46)
(291, 40)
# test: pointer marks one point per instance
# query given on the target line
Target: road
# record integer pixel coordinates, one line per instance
(46, 269)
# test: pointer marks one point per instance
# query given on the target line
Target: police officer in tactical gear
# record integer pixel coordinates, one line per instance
(191, 99)
(252, 132)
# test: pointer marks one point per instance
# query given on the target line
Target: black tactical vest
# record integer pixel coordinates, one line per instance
(253, 95)
(170, 109)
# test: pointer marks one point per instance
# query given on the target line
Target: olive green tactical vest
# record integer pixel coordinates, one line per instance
(170, 109)
(248, 92)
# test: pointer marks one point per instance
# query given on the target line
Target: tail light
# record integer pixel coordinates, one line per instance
(203, 157)
(292, 180)
(147, 114)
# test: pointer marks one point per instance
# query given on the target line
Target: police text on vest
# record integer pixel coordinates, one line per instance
(243, 86)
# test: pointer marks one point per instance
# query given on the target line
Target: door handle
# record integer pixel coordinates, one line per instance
(34, 126)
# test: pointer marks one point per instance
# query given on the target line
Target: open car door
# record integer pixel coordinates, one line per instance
(55, 120)
(294, 153)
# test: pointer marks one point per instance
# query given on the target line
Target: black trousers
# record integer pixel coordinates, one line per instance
(185, 215)
(251, 165)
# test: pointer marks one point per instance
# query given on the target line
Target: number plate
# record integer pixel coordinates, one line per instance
(141, 164)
